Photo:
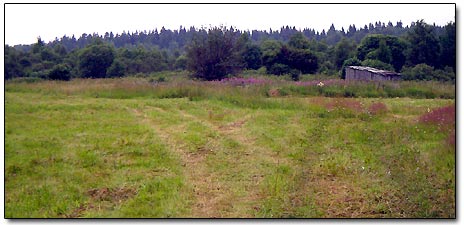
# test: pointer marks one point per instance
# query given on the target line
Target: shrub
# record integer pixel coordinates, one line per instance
(279, 69)
(349, 93)
(181, 62)
(426, 72)
(349, 62)
(60, 72)
(295, 74)
(418, 72)
(445, 75)
(289, 58)
(95, 59)
(117, 69)
(377, 64)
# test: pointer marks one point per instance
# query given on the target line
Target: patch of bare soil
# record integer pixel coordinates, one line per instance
(234, 125)
(79, 211)
(111, 194)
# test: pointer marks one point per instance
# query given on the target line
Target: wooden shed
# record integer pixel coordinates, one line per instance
(369, 73)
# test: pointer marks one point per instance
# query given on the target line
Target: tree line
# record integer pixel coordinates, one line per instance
(419, 51)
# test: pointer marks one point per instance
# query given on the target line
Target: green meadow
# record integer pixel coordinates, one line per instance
(135, 147)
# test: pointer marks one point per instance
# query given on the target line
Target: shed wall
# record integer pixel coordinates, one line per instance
(352, 74)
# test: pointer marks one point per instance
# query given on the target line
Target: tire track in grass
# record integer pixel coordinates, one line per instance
(206, 191)
(215, 195)
(246, 161)
(229, 202)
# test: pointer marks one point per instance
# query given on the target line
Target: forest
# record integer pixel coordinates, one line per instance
(419, 51)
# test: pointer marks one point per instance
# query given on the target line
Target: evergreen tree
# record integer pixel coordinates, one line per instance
(448, 46)
(299, 41)
(423, 45)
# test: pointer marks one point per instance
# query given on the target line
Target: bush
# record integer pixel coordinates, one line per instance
(95, 59)
(295, 74)
(181, 62)
(349, 93)
(426, 72)
(418, 72)
(42, 74)
(117, 69)
(445, 75)
(299, 59)
(377, 64)
(60, 72)
(349, 62)
(279, 69)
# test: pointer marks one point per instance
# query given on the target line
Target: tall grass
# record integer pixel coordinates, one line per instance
(341, 88)
(234, 89)
(444, 118)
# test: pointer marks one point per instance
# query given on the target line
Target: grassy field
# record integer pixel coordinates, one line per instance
(128, 148)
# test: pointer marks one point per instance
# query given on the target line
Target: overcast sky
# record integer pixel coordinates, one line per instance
(24, 23)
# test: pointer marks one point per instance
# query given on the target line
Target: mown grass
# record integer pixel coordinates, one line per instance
(128, 148)
(59, 148)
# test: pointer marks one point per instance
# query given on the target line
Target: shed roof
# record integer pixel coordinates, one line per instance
(376, 71)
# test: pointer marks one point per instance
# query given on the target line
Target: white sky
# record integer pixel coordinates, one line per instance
(24, 23)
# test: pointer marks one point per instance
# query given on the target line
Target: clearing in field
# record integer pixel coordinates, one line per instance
(130, 148)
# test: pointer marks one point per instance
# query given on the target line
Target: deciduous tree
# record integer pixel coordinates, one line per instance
(95, 59)
(214, 56)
